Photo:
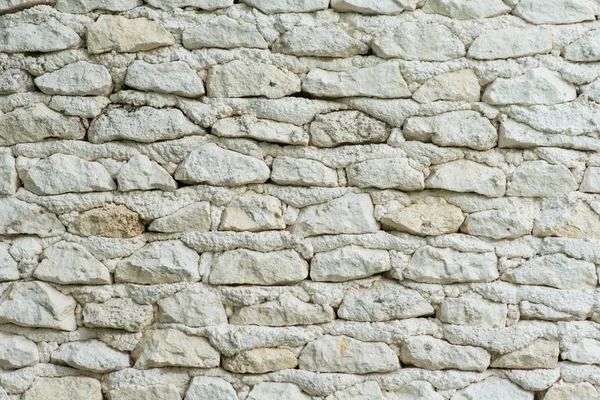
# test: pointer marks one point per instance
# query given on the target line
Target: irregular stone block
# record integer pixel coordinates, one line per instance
(160, 262)
(302, 172)
(19, 217)
(163, 392)
(374, 7)
(276, 391)
(424, 42)
(541, 179)
(348, 263)
(466, 9)
(223, 32)
(429, 216)
(84, 107)
(285, 311)
(255, 268)
(78, 79)
(564, 391)
(418, 390)
(140, 173)
(70, 263)
(124, 35)
(173, 348)
(260, 361)
(541, 353)
(347, 127)
(384, 81)
(90, 355)
(347, 355)
(12, 6)
(468, 176)
(351, 213)
(473, 311)
(39, 305)
(118, 313)
(460, 85)
(497, 224)
(555, 11)
(85, 6)
(109, 221)
(216, 166)
(253, 212)
(45, 37)
(9, 270)
(65, 388)
(493, 388)
(207, 387)
(194, 306)
(248, 126)
(195, 218)
(591, 180)
(431, 353)
(584, 351)
(367, 390)
(172, 78)
(202, 4)
(287, 6)
(17, 351)
(13, 80)
(385, 173)
(319, 41)
(511, 43)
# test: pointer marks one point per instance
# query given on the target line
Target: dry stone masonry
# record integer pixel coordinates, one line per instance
(299, 199)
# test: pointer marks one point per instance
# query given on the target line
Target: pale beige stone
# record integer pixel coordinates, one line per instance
(287, 310)
(260, 361)
(429, 216)
(65, 388)
(110, 221)
(460, 85)
(253, 212)
(542, 353)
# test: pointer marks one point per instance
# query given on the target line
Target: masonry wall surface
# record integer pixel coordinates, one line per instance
(299, 199)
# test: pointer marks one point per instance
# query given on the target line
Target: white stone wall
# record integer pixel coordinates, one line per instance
(299, 199)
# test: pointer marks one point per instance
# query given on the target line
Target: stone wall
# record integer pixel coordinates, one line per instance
(299, 199)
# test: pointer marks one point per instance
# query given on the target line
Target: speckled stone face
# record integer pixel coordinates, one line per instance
(299, 199)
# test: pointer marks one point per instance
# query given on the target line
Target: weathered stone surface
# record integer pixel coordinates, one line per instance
(70, 263)
(44, 37)
(223, 32)
(253, 212)
(163, 392)
(468, 176)
(160, 262)
(388, 301)
(466, 9)
(344, 354)
(249, 126)
(18, 217)
(84, 107)
(418, 390)
(65, 388)
(242, 79)
(370, 7)
(461, 85)
(35, 123)
(78, 79)
(287, 6)
(90, 355)
(574, 391)
(13, 80)
(61, 173)
(434, 265)
(384, 81)
(385, 173)
(541, 179)
(424, 42)
(260, 361)
(9, 270)
(585, 49)
(118, 313)
(578, 220)
(141, 173)
(431, 353)
(37, 304)
(511, 43)
(591, 180)
(202, 4)
(255, 268)
(195, 306)
(172, 78)
(584, 351)
(85, 6)
(285, 311)
(217, 166)
(429, 216)
(456, 128)
(351, 213)
(302, 172)
(348, 263)
(541, 353)
(319, 41)
(347, 127)
(555, 11)
(170, 347)
(498, 224)
(275, 391)
(145, 124)
(206, 387)
(534, 380)
(123, 35)
(17, 351)
(538, 86)
(12, 6)
(195, 218)
(556, 270)
(109, 221)
(472, 311)
(493, 388)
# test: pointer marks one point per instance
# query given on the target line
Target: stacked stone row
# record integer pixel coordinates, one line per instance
(317, 199)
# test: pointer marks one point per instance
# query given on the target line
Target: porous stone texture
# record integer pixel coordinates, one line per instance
(299, 200)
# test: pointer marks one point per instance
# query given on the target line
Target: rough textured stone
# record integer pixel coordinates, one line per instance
(424, 42)
(431, 353)
(170, 347)
(202, 4)
(253, 212)
(302, 172)
(275, 391)
(118, 314)
(555, 11)
(430, 216)
(384, 81)
(140, 173)
(285, 6)
(85, 6)
(160, 262)
(78, 79)
(206, 387)
(171, 78)
(385, 173)
(111, 222)
(461, 85)
(348, 263)
(70, 263)
(145, 124)
(287, 310)
(575, 391)
(346, 127)
(37, 304)
(511, 43)
(9, 270)
(591, 180)
(466, 9)
(260, 129)
(223, 32)
(319, 41)
(17, 351)
(216, 166)
(468, 176)
(20, 217)
(493, 388)
(585, 49)
(195, 306)
(90, 355)
(65, 388)
(114, 32)
(35, 123)
(61, 173)
(418, 390)
(370, 7)
(497, 224)
(541, 179)
(256, 268)
(541, 353)
(584, 351)
(472, 311)
(195, 217)
(44, 37)
(260, 361)
(13, 80)
(163, 392)
(457, 128)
